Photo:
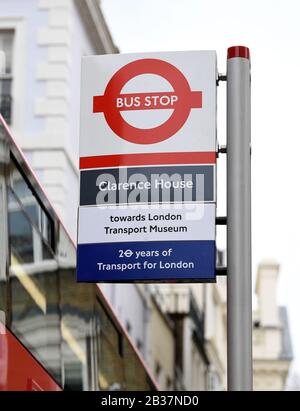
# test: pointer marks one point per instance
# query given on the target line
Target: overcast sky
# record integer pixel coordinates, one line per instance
(271, 29)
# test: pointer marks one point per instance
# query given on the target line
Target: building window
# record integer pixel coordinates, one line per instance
(157, 371)
(256, 324)
(26, 197)
(213, 381)
(169, 384)
(139, 344)
(128, 327)
(6, 78)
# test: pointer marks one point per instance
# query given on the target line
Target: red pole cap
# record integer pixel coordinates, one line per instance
(238, 51)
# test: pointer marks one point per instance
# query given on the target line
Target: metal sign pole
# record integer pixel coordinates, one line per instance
(239, 287)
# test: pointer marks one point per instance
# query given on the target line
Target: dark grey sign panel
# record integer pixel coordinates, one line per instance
(163, 184)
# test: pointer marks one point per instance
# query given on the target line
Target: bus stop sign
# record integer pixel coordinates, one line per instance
(147, 167)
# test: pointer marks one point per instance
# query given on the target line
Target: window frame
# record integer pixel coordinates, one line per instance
(18, 26)
(51, 221)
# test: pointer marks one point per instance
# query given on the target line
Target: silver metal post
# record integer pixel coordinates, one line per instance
(239, 287)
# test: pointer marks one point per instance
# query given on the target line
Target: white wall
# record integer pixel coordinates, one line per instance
(50, 39)
(132, 306)
(27, 20)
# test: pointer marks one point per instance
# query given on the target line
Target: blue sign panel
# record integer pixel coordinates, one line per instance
(148, 261)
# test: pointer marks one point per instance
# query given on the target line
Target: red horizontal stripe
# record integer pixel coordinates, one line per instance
(118, 160)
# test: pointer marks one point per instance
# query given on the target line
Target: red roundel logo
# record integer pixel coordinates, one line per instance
(182, 99)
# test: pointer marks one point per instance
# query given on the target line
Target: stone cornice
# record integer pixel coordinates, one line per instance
(93, 18)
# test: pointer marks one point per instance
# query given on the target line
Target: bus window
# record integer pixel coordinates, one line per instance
(77, 330)
(26, 196)
(33, 280)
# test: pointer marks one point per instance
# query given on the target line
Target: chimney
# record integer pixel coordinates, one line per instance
(266, 290)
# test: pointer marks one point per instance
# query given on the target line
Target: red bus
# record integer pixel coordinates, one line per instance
(55, 334)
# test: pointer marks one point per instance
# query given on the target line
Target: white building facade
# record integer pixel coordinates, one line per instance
(272, 347)
(43, 42)
(201, 310)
